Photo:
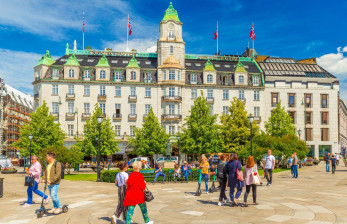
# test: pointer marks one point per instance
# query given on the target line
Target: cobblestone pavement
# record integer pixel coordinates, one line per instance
(316, 197)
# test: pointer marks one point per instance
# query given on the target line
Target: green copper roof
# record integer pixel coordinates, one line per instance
(171, 14)
(240, 67)
(209, 66)
(103, 62)
(133, 63)
(46, 59)
(72, 61)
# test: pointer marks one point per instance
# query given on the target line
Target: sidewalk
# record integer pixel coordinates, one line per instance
(315, 197)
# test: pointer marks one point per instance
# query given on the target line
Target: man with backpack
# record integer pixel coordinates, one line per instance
(53, 176)
(222, 179)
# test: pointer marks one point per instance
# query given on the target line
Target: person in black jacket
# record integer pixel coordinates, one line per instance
(222, 179)
(233, 182)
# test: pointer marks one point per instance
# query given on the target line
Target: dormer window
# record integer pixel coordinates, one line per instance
(102, 74)
(71, 73)
(256, 80)
(171, 35)
(209, 78)
(148, 77)
(55, 72)
(241, 79)
(133, 76)
(171, 49)
(87, 74)
(171, 74)
(117, 75)
(193, 78)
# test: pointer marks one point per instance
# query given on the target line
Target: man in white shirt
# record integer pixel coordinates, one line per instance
(269, 166)
(337, 157)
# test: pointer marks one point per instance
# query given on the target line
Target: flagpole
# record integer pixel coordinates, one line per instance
(217, 37)
(127, 35)
(83, 32)
(253, 44)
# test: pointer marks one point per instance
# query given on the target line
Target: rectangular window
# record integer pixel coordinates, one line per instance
(291, 100)
(255, 80)
(193, 78)
(118, 91)
(70, 129)
(148, 92)
(71, 89)
(117, 109)
(171, 74)
(256, 95)
(171, 49)
(194, 93)
(324, 134)
(102, 90)
(210, 93)
(308, 117)
(211, 110)
(164, 75)
(179, 75)
(274, 99)
(132, 91)
(324, 118)
(54, 89)
(87, 74)
(178, 91)
(171, 130)
(171, 109)
(117, 75)
(147, 108)
(308, 134)
(225, 94)
(132, 109)
(55, 72)
(86, 108)
(132, 130)
(172, 91)
(308, 100)
(55, 108)
(86, 91)
(292, 115)
(324, 100)
(102, 107)
(256, 111)
(241, 94)
(70, 108)
(225, 109)
(117, 130)
(179, 109)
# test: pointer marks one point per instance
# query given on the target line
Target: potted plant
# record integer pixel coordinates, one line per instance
(7, 170)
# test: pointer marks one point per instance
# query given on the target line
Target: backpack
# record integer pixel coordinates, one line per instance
(220, 169)
(62, 169)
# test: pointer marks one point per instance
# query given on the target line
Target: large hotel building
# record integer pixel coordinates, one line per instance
(127, 84)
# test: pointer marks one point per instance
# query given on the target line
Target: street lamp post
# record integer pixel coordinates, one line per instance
(250, 119)
(299, 133)
(98, 159)
(178, 146)
(30, 138)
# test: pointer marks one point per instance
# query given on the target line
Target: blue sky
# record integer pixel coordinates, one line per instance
(299, 29)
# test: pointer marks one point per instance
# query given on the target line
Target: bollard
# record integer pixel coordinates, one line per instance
(1, 187)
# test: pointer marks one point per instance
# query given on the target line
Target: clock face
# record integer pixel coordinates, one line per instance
(171, 25)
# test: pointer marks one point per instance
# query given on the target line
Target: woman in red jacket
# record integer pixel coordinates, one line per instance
(135, 195)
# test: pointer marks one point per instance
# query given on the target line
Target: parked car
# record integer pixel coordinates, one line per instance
(146, 159)
(166, 159)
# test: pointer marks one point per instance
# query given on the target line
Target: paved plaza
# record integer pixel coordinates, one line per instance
(316, 197)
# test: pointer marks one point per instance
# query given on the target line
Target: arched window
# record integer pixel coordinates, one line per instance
(171, 49)
(102, 74)
(133, 76)
(209, 78)
(171, 35)
(71, 73)
(241, 79)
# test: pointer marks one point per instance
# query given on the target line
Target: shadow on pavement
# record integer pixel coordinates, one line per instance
(208, 202)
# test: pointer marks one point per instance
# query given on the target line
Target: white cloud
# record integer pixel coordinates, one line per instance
(17, 68)
(141, 45)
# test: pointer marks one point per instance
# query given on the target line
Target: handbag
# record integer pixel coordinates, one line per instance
(148, 195)
(29, 181)
(255, 177)
(239, 174)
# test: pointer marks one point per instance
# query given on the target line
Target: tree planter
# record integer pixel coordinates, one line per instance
(8, 171)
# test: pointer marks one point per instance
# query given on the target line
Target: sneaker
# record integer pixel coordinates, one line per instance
(46, 201)
(113, 219)
(57, 211)
(227, 200)
(26, 205)
(220, 203)
(51, 211)
(150, 222)
(269, 185)
(207, 192)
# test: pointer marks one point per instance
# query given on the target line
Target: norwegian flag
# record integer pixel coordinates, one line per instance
(129, 26)
(83, 22)
(216, 33)
(252, 34)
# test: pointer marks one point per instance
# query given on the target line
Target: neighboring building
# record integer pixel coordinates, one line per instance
(17, 108)
(127, 84)
(342, 125)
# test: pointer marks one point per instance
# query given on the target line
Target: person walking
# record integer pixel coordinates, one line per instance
(135, 195)
(333, 164)
(204, 166)
(35, 171)
(121, 182)
(251, 172)
(159, 172)
(337, 157)
(222, 179)
(327, 162)
(295, 166)
(53, 177)
(233, 182)
(269, 166)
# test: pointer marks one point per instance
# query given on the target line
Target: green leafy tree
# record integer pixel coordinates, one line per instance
(89, 144)
(235, 128)
(45, 132)
(280, 123)
(200, 132)
(151, 138)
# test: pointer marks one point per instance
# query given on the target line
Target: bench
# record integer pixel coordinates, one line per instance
(171, 176)
(147, 173)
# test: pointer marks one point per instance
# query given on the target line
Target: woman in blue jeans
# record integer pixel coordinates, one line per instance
(204, 166)
(233, 182)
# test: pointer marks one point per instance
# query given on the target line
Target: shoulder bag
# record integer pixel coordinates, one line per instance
(29, 181)
(239, 174)
(255, 177)
(148, 195)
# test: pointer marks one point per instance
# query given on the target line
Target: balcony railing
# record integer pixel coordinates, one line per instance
(291, 105)
(147, 80)
(193, 82)
(257, 118)
(171, 117)
(85, 116)
(70, 96)
(117, 116)
(55, 115)
(210, 99)
(70, 116)
(132, 98)
(132, 117)
(102, 97)
(171, 98)
(86, 78)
